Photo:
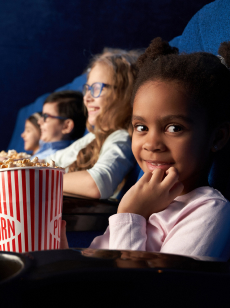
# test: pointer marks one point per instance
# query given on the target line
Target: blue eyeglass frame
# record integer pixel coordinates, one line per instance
(86, 87)
(46, 115)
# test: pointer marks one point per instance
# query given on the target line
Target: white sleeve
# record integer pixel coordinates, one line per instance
(114, 163)
(202, 231)
(65, 157)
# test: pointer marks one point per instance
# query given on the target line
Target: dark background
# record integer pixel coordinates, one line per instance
(45, 44)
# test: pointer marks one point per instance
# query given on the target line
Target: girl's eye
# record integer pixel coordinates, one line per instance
(141, 128)
(174, 128)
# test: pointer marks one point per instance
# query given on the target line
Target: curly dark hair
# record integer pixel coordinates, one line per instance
(203, 76)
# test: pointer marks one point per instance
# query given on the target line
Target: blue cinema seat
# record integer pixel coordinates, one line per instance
(207, 29)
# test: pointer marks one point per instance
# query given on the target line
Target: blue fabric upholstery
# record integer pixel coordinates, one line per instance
(140, 174)
(219, 176)
(131, 180)
(175, 42)
(16, 141)
(207, 29)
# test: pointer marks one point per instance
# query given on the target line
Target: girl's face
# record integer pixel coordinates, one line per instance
(170, 131)
(31, 136)
(99, 73)
(51, 128)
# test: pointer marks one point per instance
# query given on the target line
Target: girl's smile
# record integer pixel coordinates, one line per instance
(152, 165)
(170, 131)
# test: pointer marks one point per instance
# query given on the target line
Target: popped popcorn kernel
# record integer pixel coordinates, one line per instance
(52, 163)
(9, 160)
(12, 159)
(35, 159)
(11, 165)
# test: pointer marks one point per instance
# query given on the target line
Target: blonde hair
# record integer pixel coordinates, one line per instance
(116, 114)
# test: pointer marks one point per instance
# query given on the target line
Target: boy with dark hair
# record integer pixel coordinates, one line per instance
(63, 120)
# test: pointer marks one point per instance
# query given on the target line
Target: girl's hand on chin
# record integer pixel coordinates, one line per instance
(152, 193)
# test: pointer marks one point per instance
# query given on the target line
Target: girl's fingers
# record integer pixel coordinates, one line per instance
(171, 169)
(171, 178)
(157, 176)
(145, 178)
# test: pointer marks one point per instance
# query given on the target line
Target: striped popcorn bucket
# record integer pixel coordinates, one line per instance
(30, 208)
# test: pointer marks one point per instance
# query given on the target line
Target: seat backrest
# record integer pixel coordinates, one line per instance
(219, 175)
(131, 180)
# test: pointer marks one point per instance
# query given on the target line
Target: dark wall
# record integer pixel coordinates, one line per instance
(44, 44)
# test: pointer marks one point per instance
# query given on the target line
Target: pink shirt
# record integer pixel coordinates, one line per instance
(195, 224)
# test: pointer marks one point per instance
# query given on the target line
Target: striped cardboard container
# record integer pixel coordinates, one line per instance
(30, 208)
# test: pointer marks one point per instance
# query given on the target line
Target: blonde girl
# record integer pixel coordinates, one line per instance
(98, 162)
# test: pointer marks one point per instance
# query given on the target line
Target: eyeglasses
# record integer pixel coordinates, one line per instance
(95, 89)
(46, 115)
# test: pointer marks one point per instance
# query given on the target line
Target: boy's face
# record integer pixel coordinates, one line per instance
(170, 131)
(51, 129)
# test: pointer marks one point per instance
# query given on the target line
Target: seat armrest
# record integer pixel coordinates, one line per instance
(85, 214)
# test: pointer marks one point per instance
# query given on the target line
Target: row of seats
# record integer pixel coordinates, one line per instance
(206, 30)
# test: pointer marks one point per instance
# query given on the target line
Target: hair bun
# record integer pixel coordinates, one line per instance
(157, 48)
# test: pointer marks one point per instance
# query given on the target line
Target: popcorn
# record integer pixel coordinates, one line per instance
(14, 154)
(11, 163)
(43, 216)
(11, 153)
(35, 160)
(3, 154)
(52, 163)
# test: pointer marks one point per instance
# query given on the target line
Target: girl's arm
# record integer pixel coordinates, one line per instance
(114, 163)
(80, 183)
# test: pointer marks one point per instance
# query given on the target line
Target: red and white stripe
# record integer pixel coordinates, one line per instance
(30, 205)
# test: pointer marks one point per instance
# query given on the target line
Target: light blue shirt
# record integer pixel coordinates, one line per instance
(114, 162)
(49, 148)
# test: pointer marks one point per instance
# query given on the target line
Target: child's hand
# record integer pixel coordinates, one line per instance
(152, 193)
(63, 239)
